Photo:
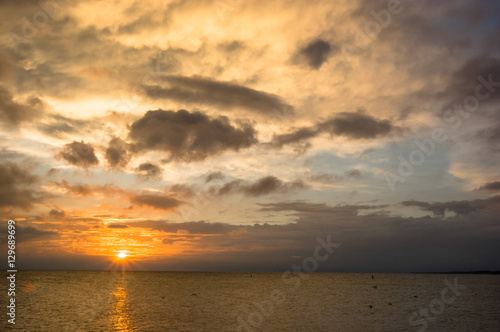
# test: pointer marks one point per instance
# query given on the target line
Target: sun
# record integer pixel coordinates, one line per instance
(123, 260)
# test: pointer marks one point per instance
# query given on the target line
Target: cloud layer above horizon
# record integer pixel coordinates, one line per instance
(200, 136)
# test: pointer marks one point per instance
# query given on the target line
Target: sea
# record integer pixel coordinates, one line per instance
(199, 301)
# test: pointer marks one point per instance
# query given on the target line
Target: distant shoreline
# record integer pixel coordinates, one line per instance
(460, 272)
(262, 272)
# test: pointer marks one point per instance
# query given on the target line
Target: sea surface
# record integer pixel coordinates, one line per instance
(197, 301)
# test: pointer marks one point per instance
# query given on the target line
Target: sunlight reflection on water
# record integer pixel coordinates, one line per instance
(74, 301)
(121, 313)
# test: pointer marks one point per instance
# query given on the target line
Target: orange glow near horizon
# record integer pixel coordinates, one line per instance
(123, 261)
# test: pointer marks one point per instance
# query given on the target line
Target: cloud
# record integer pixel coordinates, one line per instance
(324, 178)
(491, 186)
(269, 184)
(89, 189)
(192, 227)
(189, 136)
(354, 173)
(263, 186)
(214, 176)
(56, 213)
(299, 135)
(59, 126)
(229, 187)
(117, 226)
(371, 241)
(491, 135)
(458, 207)
(155, 201)
(117, 153)
(357, 126)
(79, 154)
(182, 190)
(334, 178)
(16, 187)
(354, 125)
(29, 233)
(218, 94)
(464, 81)
(13, 113)
(149, 170)
(317, 52)
(303, 207)
(230, 46)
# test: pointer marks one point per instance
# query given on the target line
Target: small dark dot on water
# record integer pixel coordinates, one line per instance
(370, 306)
(390, 303)
(375, 287)
(415, 296)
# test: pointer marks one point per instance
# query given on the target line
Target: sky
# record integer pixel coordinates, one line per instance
(230, 135)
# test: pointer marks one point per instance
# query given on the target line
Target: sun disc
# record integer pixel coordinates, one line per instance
(122, 255)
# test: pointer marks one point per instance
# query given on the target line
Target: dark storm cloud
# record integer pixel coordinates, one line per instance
(467, 78)
(149, 170)
(8, 67)
(192, 227)
(491, 186)
(25, 234)
(16, 187)
(219, 94)
(135, 26)
(13, 113)
(369, 241)
(229, 187)
(56, 213)
(303, 207)
(334, 178)
(155, 201)
(48, 71)
(354, 173)
(79, 154)
(117, 153)
(78, 189)
(231, 46)
(214, 176)
(299, 135)
(357, 126)
(317, 52)
(491, 135)
(182, 190)
(58, 126)
(270, 184)
(460, 208)
(189, 136)
(117, 226)
(324, 178)
(263, 186)
(354, 125)
(89, 189)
